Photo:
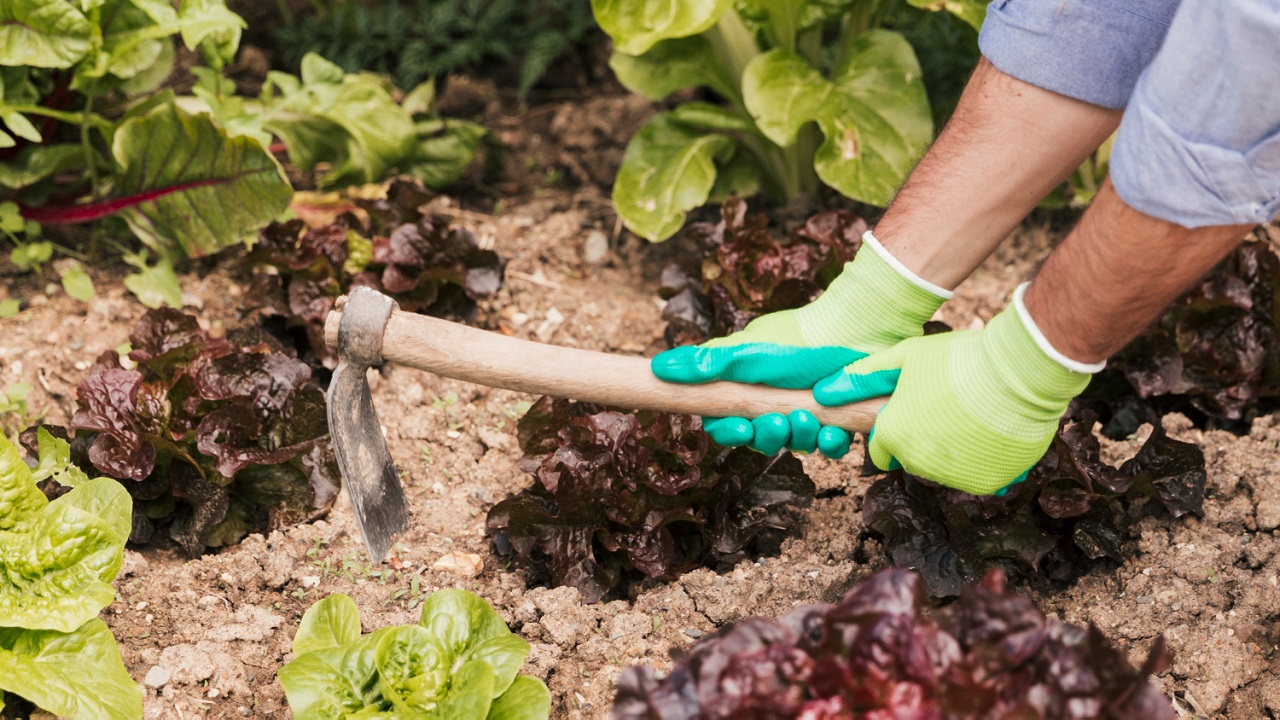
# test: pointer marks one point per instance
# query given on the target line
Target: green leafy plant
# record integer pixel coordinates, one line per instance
(348, 123)
(814, 91)
(413, 42)
(108, 143)
(55, 576)
(460, 662)
(214, 437)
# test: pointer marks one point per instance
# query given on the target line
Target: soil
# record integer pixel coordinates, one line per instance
(206, 636)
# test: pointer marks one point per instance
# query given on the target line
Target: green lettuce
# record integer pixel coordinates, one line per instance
(57, 560)
(459, 662)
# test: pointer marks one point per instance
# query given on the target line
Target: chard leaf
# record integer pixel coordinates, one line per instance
(332, 622)
(43, 33)
(77, 674)
(667, 170)
(330, 683)
(37, 162)
(187, 186)
(636, 25)
(58, 558)
(873, 114)
(526, 698)
(673, 65)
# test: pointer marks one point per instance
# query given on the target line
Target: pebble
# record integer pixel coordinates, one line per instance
(595, 249)
(693, 633)
(1145, 600)
(208, 601)
(310, 581)
(157, 676)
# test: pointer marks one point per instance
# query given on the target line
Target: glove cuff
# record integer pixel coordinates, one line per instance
(1023, 367)
(875, 303)
(1043, 343)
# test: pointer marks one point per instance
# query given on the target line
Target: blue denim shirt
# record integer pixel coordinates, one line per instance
(1200, 140)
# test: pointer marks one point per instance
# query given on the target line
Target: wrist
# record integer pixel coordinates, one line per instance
(1043, 343)
(875, 303)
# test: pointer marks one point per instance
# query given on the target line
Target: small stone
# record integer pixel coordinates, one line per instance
(158, 676)
(310, 581)
(141, 606)
(213, 692)
(460, 563)
(693, 632)
(227, 579)
(595, 248)
(1145, 600)
(208, 601)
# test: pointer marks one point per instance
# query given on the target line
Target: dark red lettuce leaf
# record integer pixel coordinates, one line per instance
(428, 264)
(746, 271)
(622, 495)
(235, 432)
(879, 654)
(1215, 355)
(1065, 511)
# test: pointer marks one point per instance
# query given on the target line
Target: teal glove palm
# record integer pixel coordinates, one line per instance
(874, 304)
(972, 410)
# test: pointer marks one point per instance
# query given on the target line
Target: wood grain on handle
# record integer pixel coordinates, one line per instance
(464, 353)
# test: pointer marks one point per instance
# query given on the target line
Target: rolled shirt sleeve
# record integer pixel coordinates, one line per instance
(1200, 140)
(1090, 50)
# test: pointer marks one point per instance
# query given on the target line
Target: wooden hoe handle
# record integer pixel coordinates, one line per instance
(487, 358)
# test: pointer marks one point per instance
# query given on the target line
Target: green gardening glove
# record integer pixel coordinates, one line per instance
(972, 410)
(875, 303)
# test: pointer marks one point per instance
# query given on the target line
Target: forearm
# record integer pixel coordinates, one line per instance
(1116, 272)
(1008, 145)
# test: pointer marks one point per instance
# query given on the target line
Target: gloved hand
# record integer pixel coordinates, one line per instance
(973, 410)
(875, 303)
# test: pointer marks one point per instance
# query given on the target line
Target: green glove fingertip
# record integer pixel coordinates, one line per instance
(730, 431)
(1021, 478)
(834, 442)
(772, 433)
(804, 431)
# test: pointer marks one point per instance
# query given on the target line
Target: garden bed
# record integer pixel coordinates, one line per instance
(206, 637)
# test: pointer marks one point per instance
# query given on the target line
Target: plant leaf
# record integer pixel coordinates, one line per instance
(43, 33)
(460, 620)
(444, 150)
(673, 65)
(55, 462)
(37, 162)
(636, 25)
(413, 670)
(187, 186)
(77, 283)
(874, 115)
(60, 557)
(470, 693)
(973, 12)
(330, 683)
(76, 674)
(526, 698)
(154, 285)
(667, 170)
(332, 622)
(19, 125)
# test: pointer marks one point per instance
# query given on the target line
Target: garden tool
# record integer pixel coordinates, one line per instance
(368, 329)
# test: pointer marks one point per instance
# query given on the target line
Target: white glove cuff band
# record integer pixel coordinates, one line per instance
(1043, 342)
(870, 240)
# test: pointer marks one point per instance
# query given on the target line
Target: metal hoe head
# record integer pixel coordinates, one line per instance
(368, 473)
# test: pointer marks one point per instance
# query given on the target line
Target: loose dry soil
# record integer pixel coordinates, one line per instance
(207, 636)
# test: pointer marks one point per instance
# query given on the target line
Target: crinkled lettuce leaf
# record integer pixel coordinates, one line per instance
(57, 559)
(73, 675)
(460, 662)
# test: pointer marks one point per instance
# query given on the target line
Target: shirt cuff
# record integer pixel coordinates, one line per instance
(1090, 51)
